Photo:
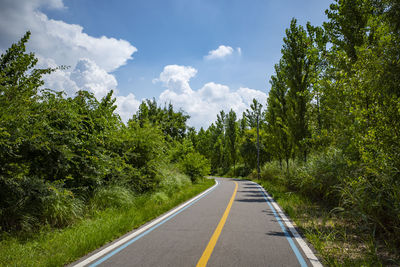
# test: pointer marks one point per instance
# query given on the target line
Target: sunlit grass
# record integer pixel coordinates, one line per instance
(57, 247)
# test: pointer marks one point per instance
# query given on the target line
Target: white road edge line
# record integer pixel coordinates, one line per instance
(303, 245)
(140, 230)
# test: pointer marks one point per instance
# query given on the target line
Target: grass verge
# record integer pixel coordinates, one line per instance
(57, 247)
(337, 241)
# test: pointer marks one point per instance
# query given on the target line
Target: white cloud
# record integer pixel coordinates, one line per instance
(88, 76)
(177, 77)
(127, 106)
(204, 104)
(248, 95)
(85, 76)
(58, 43)
(221, 52)
(64, 43)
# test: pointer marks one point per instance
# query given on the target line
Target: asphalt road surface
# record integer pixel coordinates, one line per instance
(233, 224)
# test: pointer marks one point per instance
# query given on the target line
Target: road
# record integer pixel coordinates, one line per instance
(233, 224)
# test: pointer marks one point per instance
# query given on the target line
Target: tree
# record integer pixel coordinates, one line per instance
(277, 116)
(232, 136)
(347, 27)
(172, 124)
(253, 113)
(299, 64)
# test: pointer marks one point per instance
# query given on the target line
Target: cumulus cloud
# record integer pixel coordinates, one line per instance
(88, 76)
(58, 43)
(221, 52)
(127, 106)
(203, 104)
(63, 42)
(177, 77)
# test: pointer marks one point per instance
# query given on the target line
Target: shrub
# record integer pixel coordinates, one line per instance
(21, 201)
(240, 170)
(321, 175)
(143, 148)
(195, 165)
(270, 171)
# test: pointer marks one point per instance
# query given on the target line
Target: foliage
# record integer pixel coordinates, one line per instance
(195, 165)
(332, 119)
(335, 96)
(60, 155)
(171, 123)
(159, 198)
(320, 177)
(61, 207)
(173, 180)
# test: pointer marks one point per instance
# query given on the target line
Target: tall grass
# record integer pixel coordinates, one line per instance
(61, 207)
(112, 196)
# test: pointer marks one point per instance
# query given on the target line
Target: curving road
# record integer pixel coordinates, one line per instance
(235, 223)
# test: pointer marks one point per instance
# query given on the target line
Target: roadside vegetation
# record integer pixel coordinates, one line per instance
(73, 176)
(329, 133)
(329, 138)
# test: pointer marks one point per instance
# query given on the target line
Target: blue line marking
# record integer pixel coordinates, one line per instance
(109, 255)
(288, 237)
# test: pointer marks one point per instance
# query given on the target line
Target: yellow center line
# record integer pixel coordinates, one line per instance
(211, 244)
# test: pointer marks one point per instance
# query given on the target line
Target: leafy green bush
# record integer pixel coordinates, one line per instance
(142, 147)
(195, 165)
(271, 171)
(321, 175)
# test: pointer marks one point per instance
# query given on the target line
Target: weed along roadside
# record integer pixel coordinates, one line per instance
(57, 247)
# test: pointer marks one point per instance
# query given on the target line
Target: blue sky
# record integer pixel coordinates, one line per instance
(178, 33)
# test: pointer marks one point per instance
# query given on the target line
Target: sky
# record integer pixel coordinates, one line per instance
(203, 56)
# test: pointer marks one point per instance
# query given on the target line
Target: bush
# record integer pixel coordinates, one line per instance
(21, 202)
(242, 170)
(142, 147)
(320, 176)
(112, 196)
(195, 165)
(271, 171)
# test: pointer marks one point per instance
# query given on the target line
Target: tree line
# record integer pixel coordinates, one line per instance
(332, 118)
